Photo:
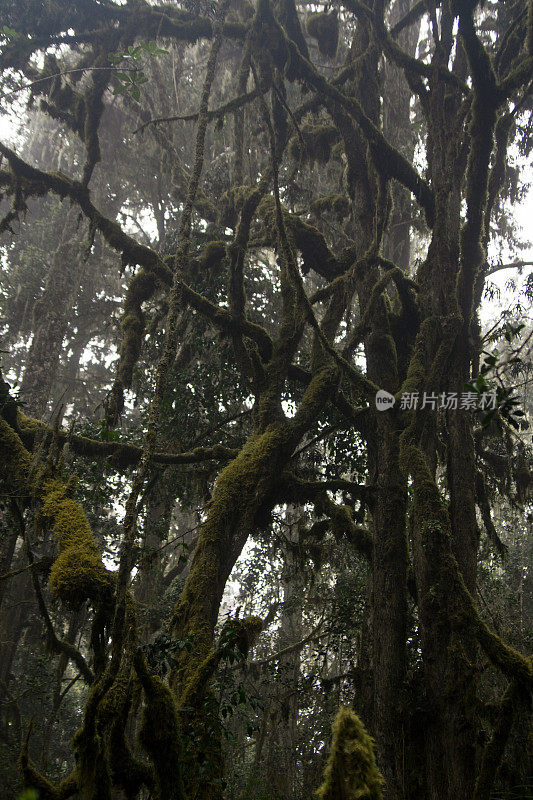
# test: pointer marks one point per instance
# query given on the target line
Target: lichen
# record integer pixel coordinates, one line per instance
(351, 772)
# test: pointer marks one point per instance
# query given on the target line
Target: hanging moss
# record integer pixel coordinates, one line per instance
(241, 634)
(141, 288)
(304, 237)
(314, 142)
(351, 772)
(78, 573)
(325, 29)
(92, 767)
(212, 255)
(230, 205)
(336, 204)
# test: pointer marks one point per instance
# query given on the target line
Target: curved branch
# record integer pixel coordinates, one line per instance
(388, 161)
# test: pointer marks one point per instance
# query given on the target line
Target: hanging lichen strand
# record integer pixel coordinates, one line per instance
(351, 772)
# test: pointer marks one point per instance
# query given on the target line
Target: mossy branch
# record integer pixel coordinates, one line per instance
(388, 161)
(464, 615)
(231, 106)
(484, 507)
(32, 779)
(120, 454)
(159, 732)
(481, 131)
(395, 52)
(133, 252)
(316, 255)
(56, 644)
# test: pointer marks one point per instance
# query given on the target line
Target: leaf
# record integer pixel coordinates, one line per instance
(136, 93)
(10, 33)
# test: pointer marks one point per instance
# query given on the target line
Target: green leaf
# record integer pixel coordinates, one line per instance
(10, 33)
(136, 93)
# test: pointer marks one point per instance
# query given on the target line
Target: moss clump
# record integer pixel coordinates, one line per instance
(303, 237)
(314, 142)
(241, 634)
(16, 460)
(325, 29)
(78, 572)
(141, 288)
(336, 204)
(351, 772)
(230, 205)
(212, 255)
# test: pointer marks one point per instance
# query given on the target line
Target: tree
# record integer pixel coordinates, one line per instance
(295, 249)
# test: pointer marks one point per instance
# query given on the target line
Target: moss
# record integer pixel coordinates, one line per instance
(230, 205)
(342, 525)
(241, 634)
(212, 255)
(325, 29)
(336, 204)
(240, 478)
(78, 573)
(16, 460)
(314, 142)
(44, 788)
(495, 747)
(448, 590)
(251, 627)
(141, 288)
(233, 500)
(159, 733)
(416, 372)
(306, 238)
(351, 772)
